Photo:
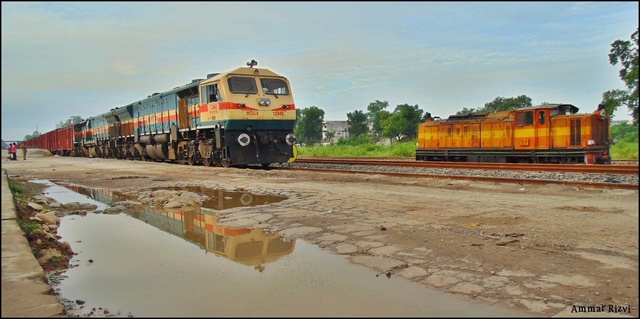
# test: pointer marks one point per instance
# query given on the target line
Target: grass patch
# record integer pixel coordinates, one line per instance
(624, 151)
(404, 149)
(27, 226)
(17, 190)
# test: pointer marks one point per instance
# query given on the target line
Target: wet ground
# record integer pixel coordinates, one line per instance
(155, 263)
(543, 250)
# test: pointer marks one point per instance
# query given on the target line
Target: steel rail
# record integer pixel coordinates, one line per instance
(520, 181)
(568, 168)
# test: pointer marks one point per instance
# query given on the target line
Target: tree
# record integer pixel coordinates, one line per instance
(357, 122)
(403, 122)
(394, 126)
(71, 121)
(35, 134)
(308, 127)
(375, 115)
(330, 135)
(499, 104)
(505, 104)
(466, 111)
(413, 116)
(625, 53)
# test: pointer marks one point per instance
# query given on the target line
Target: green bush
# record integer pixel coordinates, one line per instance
(626, 137)
(624, 151)
(354, 149)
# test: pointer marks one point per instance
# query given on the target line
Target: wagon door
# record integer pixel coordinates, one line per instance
(444, 134)
(183, 114)
(475, 135)
(542, 129)
(524, 132)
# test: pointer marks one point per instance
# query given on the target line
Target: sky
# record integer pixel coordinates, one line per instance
(64, 59)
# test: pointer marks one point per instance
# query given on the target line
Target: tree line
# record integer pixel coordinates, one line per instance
(402, 123)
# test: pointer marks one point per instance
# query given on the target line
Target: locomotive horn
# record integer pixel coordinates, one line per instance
(252, 63)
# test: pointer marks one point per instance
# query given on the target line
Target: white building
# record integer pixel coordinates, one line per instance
(336, 128)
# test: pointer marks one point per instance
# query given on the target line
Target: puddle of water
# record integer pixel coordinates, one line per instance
(184, 264)
(245, 245)
(63, 195)
(220, 199)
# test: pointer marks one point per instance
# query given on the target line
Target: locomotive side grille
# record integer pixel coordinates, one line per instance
(575, 132)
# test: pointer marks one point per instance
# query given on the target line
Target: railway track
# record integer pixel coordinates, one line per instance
(594, 176)
(568, 168)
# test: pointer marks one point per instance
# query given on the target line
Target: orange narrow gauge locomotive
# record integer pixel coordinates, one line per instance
(548, 133)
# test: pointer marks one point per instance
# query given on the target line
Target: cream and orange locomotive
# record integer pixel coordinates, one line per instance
(241, 117)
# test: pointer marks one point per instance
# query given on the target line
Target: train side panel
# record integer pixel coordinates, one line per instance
(63, 140)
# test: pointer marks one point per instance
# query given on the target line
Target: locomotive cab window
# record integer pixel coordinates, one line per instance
(524, 118)
(274, 86)
(242, 85)
(542, 118)
(212, 94)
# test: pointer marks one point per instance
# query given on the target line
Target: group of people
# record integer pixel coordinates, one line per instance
(13, 150)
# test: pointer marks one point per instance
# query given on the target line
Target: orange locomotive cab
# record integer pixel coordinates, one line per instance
(582, 138)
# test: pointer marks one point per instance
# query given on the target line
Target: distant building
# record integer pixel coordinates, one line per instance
(337, 129)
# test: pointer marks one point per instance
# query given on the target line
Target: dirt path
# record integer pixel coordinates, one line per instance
(543, 249)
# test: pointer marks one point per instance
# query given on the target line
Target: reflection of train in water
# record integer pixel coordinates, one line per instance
(245, 245)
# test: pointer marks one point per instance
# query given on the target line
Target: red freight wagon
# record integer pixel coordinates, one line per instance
(64, 138)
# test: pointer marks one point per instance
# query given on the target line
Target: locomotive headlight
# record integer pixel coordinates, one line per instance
(591, 142)
(290, 139)
(244, 139)
(286, 106)
(264, 101)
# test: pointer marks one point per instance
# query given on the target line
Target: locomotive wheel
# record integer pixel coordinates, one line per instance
(226, 163)
(191, 160)
(206, 161)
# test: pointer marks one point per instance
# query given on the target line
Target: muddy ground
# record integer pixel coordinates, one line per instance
(545, 250)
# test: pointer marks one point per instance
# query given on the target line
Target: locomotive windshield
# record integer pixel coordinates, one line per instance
(274, 86)
(243, 85)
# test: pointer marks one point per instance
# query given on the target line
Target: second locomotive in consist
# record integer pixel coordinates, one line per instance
(237, 118)
(548, 133)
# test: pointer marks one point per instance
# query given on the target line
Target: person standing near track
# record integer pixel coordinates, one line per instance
(23, 146)
(12, 151)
